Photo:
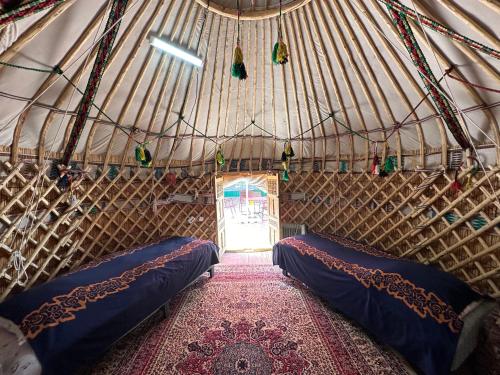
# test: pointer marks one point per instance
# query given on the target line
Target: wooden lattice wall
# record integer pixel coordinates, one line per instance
(411, 214)
(112, 213)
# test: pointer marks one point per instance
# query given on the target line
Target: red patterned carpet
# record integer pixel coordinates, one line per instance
(249, 319)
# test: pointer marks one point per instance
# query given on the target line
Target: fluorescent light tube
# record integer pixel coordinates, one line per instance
(176, 51)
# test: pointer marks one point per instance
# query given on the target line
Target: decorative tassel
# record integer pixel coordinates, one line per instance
(284, 176)
(139, 153)
(280, 53)
(147, 159)
(375, 168)
(238, 69)
(220, 158)
(289, 150)
(283, 156)
(456, 186)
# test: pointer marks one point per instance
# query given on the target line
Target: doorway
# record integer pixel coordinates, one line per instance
(243, 213)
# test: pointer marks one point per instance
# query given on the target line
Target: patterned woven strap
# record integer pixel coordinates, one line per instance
(27, 10)
(442, 104)
(440, 28)
(105, 47)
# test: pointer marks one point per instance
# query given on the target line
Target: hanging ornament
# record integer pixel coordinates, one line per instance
(456, 186)
(289, 150)
(238, 69)
(220, 158)
(375, 168)
(143, 156)
(280, 50)
(284, 176)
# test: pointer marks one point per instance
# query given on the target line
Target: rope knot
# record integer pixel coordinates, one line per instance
(57, 70)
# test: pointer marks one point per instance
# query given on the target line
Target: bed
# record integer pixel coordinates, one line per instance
(72, 320)
(415, 309)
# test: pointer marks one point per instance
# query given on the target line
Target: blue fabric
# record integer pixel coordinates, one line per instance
(425, 342)
(63, 348)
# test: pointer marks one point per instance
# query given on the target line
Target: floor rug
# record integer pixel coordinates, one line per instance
(249, 320)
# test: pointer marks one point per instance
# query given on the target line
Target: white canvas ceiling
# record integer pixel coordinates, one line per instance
(345, 58)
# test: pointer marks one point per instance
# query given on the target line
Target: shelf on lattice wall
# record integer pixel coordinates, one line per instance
(455, 158)
(244, 165)
(233, 166)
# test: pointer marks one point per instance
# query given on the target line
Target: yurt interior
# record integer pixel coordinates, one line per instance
(249, 187)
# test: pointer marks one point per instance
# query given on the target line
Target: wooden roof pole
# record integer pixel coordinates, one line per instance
(357, 71)
(212, 93)
(229, 52)
(124, 69)
(312, 85)
(70, 55)
(369, 70)
(444, 60)
(125, 108)
(395, 83)
(185, 99)
(325, 93)
(408, 77)
(199, 94)
(223, 77)
(33, 31)
(294, 46)
(173, 94)
(263, 95)
(298, 113)
(105, 47)
(151, 87)
(245, 102)
(254, 95)
(273, 101)
(66, 93)
(345, 78)
(470, 22)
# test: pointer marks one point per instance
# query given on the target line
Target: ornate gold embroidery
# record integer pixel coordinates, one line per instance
(418, 299)
(61, 308)
(370, 250)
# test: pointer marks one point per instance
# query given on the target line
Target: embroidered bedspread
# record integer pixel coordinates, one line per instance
(73, 319)
(409, 306)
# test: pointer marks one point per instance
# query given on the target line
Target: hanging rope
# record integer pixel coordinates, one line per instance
(425, 72)
(238, 69)
(439, 28)
(26, 10)
(280, 50)
(473, 84)
(105, 47)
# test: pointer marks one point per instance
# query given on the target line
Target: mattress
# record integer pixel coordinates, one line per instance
(72, 320)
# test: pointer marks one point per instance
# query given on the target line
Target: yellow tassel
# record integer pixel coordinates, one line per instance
(238, 55)
(282, 56)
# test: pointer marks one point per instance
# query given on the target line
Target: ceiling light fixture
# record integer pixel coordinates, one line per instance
(176, 51)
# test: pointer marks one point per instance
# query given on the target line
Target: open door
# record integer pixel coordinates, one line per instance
(221, 225)
(273, 204)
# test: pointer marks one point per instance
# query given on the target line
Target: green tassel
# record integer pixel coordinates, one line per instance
(284, 176)
(220, 158)
(238, 69)
(139, 153)
(275, 53)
